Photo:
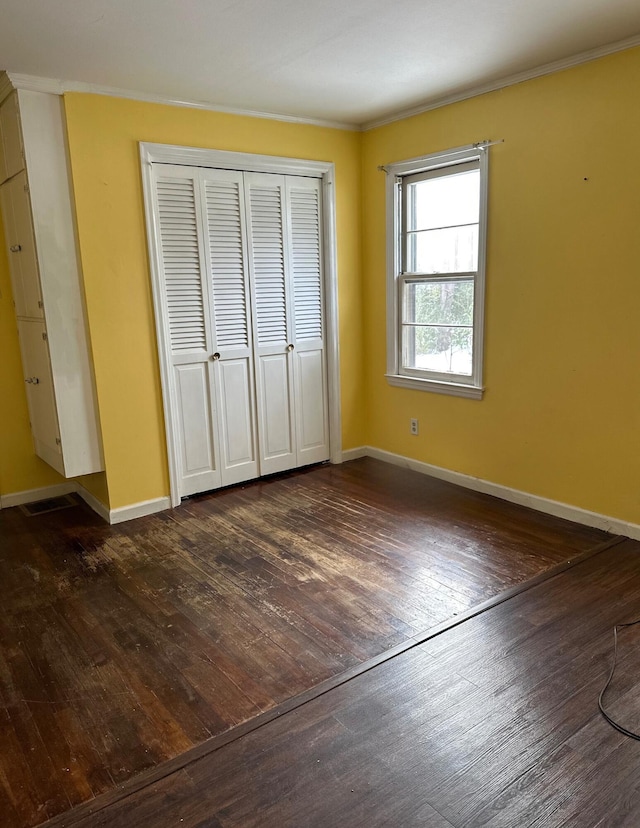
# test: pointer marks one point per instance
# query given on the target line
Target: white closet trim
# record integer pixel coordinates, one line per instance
(151, 154)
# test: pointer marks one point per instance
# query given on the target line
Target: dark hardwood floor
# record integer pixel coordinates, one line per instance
(124, 647)
(493, 723)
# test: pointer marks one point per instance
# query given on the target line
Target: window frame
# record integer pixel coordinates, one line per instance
(398, 175)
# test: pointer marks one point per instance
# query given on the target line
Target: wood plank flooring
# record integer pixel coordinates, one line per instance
(123, 647)
(493, 723)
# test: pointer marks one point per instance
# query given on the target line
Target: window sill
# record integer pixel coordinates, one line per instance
(455, 389)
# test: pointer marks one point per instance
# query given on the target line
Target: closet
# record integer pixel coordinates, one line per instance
(240, 290)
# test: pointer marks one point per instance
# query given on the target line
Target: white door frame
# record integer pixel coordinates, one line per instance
(151, 154)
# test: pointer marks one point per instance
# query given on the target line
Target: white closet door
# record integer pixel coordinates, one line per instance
(224, 212)
(285, 243)
(242, 295)
(272, 321)
(185, 296)
(303, 197)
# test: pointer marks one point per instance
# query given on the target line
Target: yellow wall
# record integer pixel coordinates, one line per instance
(561, 414)
(20, 469)
(103, 141)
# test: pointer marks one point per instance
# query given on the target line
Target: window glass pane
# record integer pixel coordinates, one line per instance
(445, 201)
(438, 348)
(439, 303)
(454, 250)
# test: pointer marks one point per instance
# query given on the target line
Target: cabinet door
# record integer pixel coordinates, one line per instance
(23, 264)
(11, 152)
(40, 395)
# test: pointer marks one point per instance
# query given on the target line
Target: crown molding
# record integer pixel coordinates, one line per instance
(6, 87)
(509, 80)
(56, 86)
(35, 84)
(13, 80)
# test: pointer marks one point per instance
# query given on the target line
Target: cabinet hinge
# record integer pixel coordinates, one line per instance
(58, 441)
(26, 188)
(44, 336)
(40, 305)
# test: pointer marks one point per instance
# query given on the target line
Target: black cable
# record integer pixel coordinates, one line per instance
(613, 723)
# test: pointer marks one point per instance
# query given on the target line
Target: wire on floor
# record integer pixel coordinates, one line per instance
(611, 721)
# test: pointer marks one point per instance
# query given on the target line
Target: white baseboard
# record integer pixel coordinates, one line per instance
(32, 495)
(142, 509)
(356, 453)
(91, 500)
(135, 510)
(477, 484)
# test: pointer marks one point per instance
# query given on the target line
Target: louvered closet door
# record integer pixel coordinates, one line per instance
(286, 283)
(306, 286)
(224, 213)
(185, 295)
(272, 322)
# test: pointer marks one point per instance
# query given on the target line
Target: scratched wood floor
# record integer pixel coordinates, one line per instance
(123, 647)
(494, 723)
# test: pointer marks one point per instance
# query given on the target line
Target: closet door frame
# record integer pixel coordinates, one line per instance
(152, 155)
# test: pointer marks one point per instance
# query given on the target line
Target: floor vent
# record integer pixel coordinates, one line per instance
(51, 504)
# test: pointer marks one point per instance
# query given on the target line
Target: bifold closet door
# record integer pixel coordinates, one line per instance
(285, 255)
(241, 290)
(200, 216)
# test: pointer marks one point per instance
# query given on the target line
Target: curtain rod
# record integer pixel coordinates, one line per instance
(481, 145)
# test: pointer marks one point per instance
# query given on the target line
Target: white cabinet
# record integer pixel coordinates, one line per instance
(11, 147)
(40, 395)
(35, 197)
(23, 264)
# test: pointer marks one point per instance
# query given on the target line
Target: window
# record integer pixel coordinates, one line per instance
(436, 211)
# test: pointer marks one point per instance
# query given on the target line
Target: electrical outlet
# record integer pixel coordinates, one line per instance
(413, 425)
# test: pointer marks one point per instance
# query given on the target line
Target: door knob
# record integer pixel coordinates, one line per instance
(215, 357)
(290, 348)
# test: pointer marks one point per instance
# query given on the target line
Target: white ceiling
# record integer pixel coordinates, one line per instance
(352, 61)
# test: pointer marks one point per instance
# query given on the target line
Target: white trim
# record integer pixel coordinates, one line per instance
(153, 245)
(92, 501)
(397, 173)
(453, 389)
(151, 154)
(508, 80)
(477, 484)
(9, 80)
(134, 510)
(57, 86)
(223, 160)
(7, 501)
(137, 510)
(355, 453)
(6, 87)
(331, 313)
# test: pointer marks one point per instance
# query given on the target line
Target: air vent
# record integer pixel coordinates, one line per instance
(51, 504)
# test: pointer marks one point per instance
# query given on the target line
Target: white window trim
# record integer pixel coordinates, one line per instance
(395, 172)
